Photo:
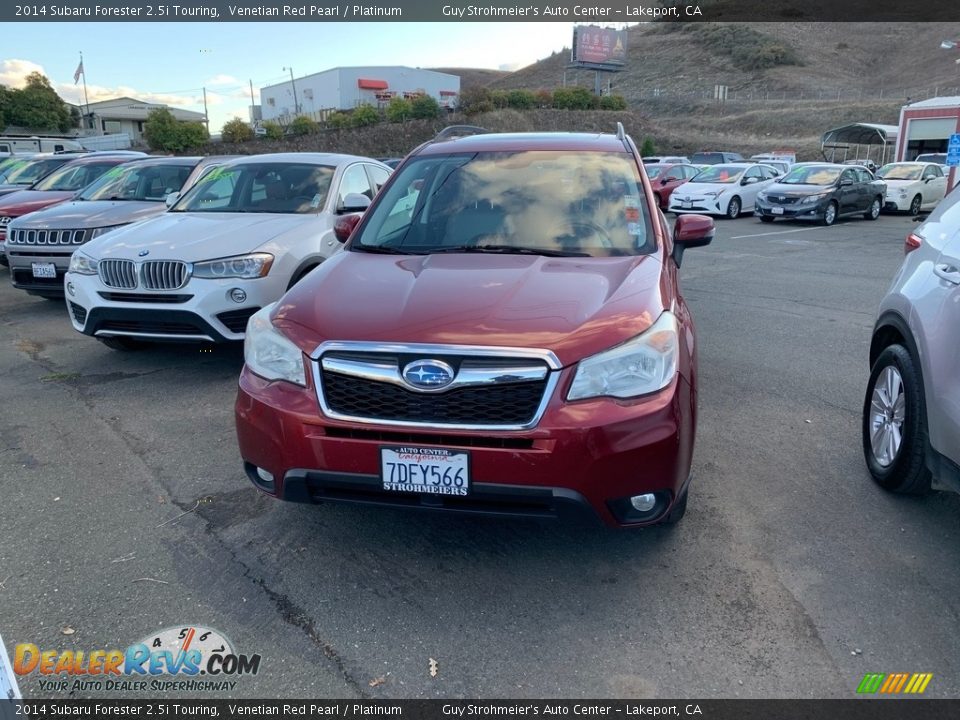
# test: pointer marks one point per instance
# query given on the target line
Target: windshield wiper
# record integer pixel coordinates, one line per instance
(382, 250)
(507, 250)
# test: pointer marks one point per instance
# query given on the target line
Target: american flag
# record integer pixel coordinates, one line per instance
(78, 73)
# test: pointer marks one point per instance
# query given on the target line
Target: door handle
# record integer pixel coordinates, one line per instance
(950, 273)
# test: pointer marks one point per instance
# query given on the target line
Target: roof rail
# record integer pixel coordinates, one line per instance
(455, 131)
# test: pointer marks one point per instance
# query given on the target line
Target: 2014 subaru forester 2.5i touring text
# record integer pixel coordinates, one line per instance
(505, 334)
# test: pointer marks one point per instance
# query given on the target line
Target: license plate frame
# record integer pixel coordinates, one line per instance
(45, 271)
(425, 470)
(776, 211)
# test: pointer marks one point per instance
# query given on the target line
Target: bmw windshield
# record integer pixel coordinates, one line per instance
(528, 202)
(269, 187)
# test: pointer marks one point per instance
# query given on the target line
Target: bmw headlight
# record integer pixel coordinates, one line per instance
(269, 354)
(82, 264)
(97, 232)
(645, 364)
(248, 267)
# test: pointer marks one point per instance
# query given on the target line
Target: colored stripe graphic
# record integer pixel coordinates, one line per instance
(894, 683)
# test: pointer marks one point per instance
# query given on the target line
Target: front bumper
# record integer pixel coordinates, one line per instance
(793, 211)
(896, 203)
(701, 206)
(581, 458)
(21, 262)
(201, 311)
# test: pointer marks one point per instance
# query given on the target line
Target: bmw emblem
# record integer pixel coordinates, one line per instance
(143, 253)
(428, 374)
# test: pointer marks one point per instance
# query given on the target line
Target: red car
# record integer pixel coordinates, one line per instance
(504, 334)
(57, 187)
(666, 178)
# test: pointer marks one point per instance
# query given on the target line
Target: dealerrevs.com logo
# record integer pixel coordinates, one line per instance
(188, 658)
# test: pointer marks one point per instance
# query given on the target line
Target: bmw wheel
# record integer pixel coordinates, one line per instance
(830, 214)
(894, 426)
(874, 210)
(733, 208)
(915, 205)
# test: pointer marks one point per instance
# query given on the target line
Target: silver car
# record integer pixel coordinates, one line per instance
(911, 413)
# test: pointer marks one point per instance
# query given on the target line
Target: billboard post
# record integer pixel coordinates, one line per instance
(598, 48)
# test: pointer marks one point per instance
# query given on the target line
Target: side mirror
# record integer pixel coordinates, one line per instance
(344, 226)
(691, 231)
(354, 202)
(664, 180)
(846, 183)
(748, 180)
(172, 198)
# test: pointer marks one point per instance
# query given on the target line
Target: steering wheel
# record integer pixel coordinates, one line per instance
(584, 227)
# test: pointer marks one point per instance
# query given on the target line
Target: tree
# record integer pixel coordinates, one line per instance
(236, 130)
(302, 125)
(425, 107)
(398, 110)
(364, 115)
(521, 99)
(475, 100)
(37, 106)
(274, 131)
(648, 148)
(164, 132)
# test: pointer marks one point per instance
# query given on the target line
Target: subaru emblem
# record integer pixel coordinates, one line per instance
(428, 374)
(143, 253)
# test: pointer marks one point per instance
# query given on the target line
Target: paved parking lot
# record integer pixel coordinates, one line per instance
(125, 511)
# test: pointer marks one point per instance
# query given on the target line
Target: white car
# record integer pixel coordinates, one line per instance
(729, 189)
(913, 186)
(665, 160)
(235, 242)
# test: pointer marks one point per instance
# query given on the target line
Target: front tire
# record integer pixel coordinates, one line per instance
(733, 208)
(894, 424)
(766, 219)
(874, 211)
(830, 214)
(915, 205)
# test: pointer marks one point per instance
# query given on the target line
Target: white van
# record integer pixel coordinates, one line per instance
(16, 145)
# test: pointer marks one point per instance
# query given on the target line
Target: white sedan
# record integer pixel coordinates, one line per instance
(913, 186)
(728, 189)
(235, 242)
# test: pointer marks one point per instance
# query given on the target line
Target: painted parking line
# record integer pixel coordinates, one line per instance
(778, 232)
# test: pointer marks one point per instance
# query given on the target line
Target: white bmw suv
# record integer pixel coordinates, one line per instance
(235, 242)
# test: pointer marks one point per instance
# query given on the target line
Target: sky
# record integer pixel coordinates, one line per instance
(172, 62)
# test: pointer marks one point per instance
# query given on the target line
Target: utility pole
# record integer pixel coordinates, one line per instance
(206, 117)
(253, 119)
(296, 103)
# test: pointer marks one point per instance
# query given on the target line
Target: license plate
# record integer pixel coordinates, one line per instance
(686, 205)
(44, 270)
(436, 471)
(776, 211)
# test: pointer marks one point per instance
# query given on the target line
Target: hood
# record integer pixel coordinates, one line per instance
(193, 237)
(575, 307)
(793, 190)
(7, 189)
(25, 201)
(81, 215)
(890, 182)
(699, 188)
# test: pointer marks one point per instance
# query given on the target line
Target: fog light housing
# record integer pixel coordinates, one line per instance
(238, 295)
(643, 503)
(265, 475)
(260, 477)
(71, 289)
(643, 508)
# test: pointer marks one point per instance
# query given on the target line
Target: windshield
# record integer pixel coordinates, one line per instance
(900, 172)
(74, 176)
(149, 182)
(268, 187)
(939, 158)
(719, 174)
(654, 171)
(27, 172)
(535, 202)
(811, 175)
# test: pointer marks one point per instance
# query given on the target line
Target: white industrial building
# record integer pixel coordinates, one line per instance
(128, 116)
(347, 87)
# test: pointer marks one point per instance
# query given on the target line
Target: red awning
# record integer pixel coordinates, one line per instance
(366, 84)
(447, 93)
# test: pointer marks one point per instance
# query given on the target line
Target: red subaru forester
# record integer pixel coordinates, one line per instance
(503, 334)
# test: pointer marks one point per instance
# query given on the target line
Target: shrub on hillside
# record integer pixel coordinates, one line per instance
(544, 99)
(364, 115)
(273, 129)
(338, 120)
(164, 132)
(399, 110)
(236, 130)
(521, 99)
(425, 107)
(572, 98)
(302, 125)
(613, 102)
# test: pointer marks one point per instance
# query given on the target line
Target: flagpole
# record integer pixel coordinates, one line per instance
(86, 99)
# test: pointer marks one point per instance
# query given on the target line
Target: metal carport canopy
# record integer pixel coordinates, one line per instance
(861, 134)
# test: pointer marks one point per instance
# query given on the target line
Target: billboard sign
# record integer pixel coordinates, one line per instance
(595, 46)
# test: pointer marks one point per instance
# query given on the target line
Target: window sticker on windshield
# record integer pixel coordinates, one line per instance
(630, 201)
(632, 214)
(214, 174)
(113, 172)
(315, 203)
(634, 229)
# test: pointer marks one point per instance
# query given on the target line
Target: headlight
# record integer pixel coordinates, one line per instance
(97, 232)
(814, 198)
(82, 264)
(642, 365)
(714, 193)
(243, 266)
(762, 196)
(269, 354)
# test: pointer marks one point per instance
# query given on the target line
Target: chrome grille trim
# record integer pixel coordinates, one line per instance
(46, 237)
(164, 274)
(120, 274)
(509, 355)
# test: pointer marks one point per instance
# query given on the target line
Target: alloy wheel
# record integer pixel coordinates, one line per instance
(887, 410)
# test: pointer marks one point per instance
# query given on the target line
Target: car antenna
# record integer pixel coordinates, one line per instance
(622, 136)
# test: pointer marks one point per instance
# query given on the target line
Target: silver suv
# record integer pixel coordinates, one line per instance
(911, 413)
